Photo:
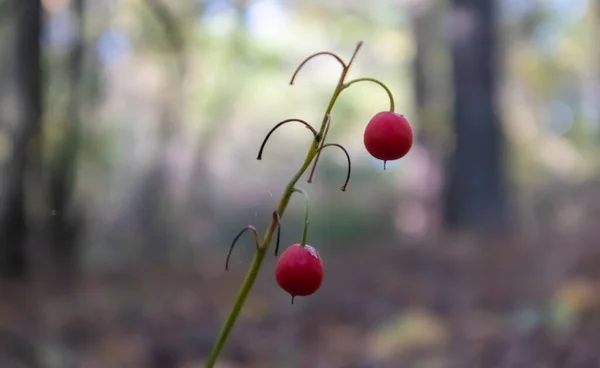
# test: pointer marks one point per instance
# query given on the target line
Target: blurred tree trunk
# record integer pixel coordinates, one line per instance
(432, 105)
(65, 222)
(596, 36)
(476, 192)
(419, 23)
(154, 205)
(13, 228)
(423, 22)
(202, 192)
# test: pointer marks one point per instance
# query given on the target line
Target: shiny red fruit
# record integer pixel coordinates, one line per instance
(388, 136)
(299, 270)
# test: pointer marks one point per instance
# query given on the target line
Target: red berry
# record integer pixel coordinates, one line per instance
(299, 270)
(388, 136)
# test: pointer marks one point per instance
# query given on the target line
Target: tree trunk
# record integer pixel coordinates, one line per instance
(476, 191)
(595, 5)
(65, 221)
(420, 25)
(13, 228)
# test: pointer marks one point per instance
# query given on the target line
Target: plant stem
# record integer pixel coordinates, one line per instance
(237, 306)
(257, 262)
(262, 249)
(324, 125)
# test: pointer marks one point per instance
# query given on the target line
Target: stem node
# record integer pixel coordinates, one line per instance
(322, 142)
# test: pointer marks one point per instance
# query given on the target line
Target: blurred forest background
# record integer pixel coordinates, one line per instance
(128, 135)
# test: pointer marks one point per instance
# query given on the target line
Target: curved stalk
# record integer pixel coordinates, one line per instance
(246, 228)
(347, 157)
(381, 84)
(305, 224)
(339, 59)
(264, 142)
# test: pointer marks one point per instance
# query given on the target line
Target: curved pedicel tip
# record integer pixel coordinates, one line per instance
(246, 228)
(347, 157)
(339, 59)
(264, 142)
(277, 219)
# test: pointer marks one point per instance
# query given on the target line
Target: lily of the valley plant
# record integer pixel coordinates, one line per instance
(299, 270)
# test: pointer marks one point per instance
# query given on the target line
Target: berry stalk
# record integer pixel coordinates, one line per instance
(382, 85)
(305, 224)
(262, 248)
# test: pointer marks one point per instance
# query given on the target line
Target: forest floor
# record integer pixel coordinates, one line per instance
(422, 306)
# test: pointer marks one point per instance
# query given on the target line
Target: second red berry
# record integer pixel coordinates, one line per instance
(299, 270)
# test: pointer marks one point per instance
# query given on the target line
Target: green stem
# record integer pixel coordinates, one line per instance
(237, 307)
(257, 262)
(305, 225)
(326, 122)
(387, 90)
(262, 249)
